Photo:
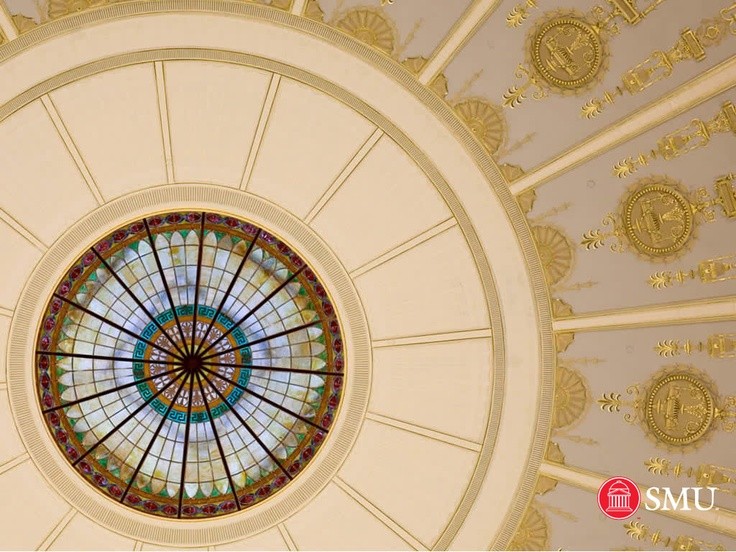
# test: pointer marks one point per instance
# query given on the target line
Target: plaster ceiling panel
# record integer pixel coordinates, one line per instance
(391, 467)
(22, 256)
(33, 156)
(576, 523)
(82, 533)
(347, 518)
(4, 329)
(366, 217)
(534, 126)
(431, 288)
(610, 362)
(213, 114)
(114, 120)
(10, 445)
(424, 371)
(309, 138)
(267, 540)
(29, 528)
(577, 201)
(416, 28)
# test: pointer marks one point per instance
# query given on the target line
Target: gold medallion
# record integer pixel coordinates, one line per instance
(679, 409)
(567, 52)
(658, 220)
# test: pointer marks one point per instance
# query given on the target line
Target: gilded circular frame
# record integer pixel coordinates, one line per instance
(545, 350)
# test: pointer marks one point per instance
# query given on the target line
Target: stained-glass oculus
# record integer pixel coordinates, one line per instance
(189, 365)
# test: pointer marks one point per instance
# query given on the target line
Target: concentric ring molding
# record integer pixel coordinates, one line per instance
(390, 97)
(83, 235)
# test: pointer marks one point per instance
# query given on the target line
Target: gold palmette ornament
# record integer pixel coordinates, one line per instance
(696, 134)
(520, 12)
(691, 45)
(678, 408)
(718, 346)
(485, 121)
(567, 51)
(572, 398)
(719, 269)
(370, 26)
(533, 532)
(638, 531)
(60, 8)
(555, 252)
(657, 217)
(703, 475)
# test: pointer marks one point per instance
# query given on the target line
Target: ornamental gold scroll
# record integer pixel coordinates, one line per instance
(658, 216)
(567, 51)
(717, 346)
(691, 45)
(703, 475)
(638, 531)
(678, 408)
(698, 133)
(709, 271)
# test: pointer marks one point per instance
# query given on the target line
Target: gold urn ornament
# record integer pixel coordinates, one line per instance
(657, 217)
(679, 407)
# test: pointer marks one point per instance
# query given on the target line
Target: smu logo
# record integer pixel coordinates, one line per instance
(620, 498)
(687, 496)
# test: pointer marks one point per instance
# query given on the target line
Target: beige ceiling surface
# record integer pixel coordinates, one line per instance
(376, 136)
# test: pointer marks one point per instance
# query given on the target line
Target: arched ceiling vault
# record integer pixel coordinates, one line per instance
(520, 242)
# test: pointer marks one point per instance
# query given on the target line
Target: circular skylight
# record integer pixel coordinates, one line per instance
(189, 365)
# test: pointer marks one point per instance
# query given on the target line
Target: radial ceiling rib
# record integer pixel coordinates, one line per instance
(687, 312)
(424, 432)
(402, 533)
(6, 23)
(288, 540)
(129, 417)
(136, 300)
(63, 132)
(356, 160)
(264, 399)
(57, 530)
(250, 313)
(298, 6)
(113, 324)
(260, 340)
(460, 33)
(460, 335)
(217, 439)
(163, 111)
(245, 424)
(273, 368)
(24, 232)
(200, 249)
(153, 439)
(108, 391)
(408, 245)
(108, 357)
(228, 291)
(702, 88)
(162, 275)
(14, 462)
(721, 521)
(255, 146)
(185, 450)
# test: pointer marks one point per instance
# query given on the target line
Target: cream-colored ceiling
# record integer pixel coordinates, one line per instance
(122, 110)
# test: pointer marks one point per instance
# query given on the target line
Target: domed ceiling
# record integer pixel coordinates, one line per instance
(382, 274)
